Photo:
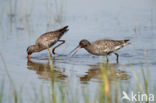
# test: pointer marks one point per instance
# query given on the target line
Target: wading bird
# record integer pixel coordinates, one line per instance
(102, 47)
(47, 40)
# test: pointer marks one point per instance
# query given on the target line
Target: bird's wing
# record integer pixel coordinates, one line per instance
(51, 37)
(47, 39)
(107, 45)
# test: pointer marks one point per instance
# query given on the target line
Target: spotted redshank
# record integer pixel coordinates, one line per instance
(102, 47)
(47, 40)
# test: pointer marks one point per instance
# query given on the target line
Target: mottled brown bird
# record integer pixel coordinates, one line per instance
(47, 40)
(102, 47)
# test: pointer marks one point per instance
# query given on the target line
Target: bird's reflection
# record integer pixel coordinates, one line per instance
(112, 72)
(44, 70)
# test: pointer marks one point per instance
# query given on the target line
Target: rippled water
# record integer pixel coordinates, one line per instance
(21, 22)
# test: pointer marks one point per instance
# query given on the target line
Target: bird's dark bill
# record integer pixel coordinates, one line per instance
(77, 48)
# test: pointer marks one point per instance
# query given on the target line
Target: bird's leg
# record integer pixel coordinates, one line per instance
(63, 41)
(117, 57)
(107, 58)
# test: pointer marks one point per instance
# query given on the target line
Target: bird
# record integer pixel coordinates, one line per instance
(102, 47)
(46, 41)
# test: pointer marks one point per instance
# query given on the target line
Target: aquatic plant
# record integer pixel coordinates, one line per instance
(108, 91)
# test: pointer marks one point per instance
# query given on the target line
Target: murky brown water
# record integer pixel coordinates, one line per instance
(21, 22)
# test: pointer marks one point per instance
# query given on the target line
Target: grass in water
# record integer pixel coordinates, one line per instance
(108, 91)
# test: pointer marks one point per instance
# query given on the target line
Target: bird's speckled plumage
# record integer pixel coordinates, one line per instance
(103, 47)
(46, 40)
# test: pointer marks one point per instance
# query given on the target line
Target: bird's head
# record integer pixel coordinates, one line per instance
(30, 50)
(84, 43)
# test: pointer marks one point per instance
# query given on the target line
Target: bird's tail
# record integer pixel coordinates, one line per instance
(63, 30)
(126, 42)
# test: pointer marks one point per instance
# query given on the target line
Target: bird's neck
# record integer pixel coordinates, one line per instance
(89, 48)
(36, 48)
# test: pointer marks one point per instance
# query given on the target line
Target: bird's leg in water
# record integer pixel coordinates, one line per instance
(117, 57)
(107, 58)
(63, 41)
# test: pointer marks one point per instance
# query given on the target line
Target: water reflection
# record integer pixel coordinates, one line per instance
(113, 73)
(44, 71)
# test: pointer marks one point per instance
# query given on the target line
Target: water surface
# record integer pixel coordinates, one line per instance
(21, 22)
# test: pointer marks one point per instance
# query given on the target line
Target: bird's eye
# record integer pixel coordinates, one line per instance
(85, 45)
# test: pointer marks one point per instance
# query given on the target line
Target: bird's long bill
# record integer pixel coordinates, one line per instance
(29, 56)
(77, 48)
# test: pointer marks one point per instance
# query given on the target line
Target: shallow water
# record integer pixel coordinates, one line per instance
(22, 22)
